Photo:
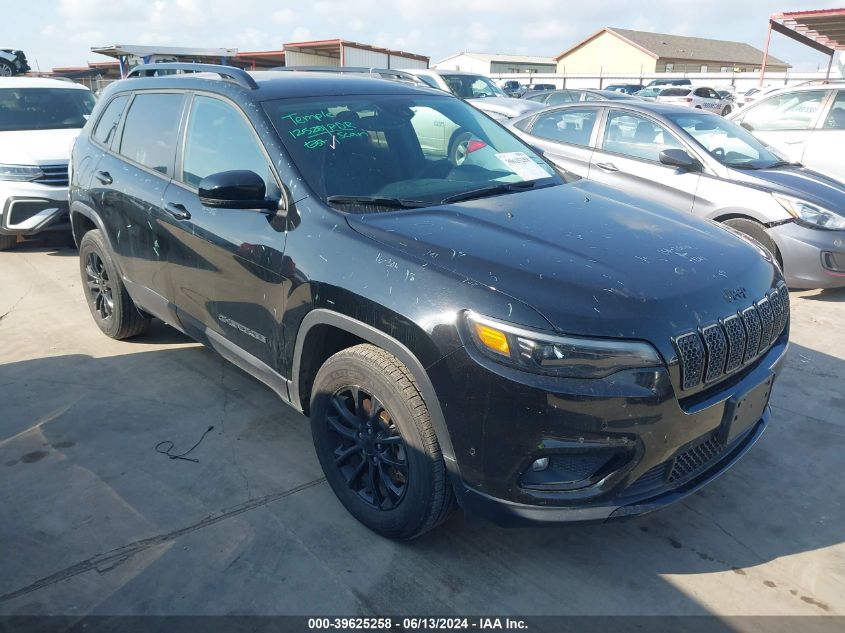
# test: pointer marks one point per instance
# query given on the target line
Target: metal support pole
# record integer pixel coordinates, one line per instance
(829, 65)
(766, 54)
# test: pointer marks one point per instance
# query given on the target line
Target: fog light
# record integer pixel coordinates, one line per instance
(540, 464)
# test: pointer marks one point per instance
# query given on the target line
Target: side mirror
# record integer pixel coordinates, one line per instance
(679, 158)
(238, 189)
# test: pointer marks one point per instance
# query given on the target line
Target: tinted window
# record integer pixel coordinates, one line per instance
(836, 117)
(429, 81)
(44, 108)
(149, 135)
(219, 139)
(362, 145)
(472, 86)
(107, 125)
(788, 111)
(678, 92)
(637, 136)
(574, 126)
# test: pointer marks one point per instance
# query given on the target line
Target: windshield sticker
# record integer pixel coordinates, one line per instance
(318, 129)
(520, 164)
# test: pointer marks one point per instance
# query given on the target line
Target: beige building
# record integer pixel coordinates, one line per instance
(624, 51)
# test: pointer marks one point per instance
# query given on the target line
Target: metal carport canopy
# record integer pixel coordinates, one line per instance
(820, 29)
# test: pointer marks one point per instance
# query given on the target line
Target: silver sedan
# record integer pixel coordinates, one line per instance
(698, 162)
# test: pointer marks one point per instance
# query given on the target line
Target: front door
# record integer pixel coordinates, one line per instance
(824, 147)
(234, 291)
(628, 158)
(786, 121)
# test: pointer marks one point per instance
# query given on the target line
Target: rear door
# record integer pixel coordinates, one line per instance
(627, 158)
(565, 137)
(133, 181)
(824, 150)
(234, 292)
(785, 120)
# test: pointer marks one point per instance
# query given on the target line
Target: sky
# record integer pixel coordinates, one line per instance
(57, 33)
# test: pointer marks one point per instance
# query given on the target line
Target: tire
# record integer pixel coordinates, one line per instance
(754, 229)
(726, 110)
(405, 469)
(6, 69)
(111, 306)
(457, 147)
(7, 242)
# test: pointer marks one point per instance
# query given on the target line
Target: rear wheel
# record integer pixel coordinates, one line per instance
(376, 444)
(754, 229)
(7, 242)
(111, 306)
(726, 110)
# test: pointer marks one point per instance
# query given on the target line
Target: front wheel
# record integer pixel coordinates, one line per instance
(757, 231)
(458, 145)
(7, 242)
(111, 306)
(6, 69)
(376, 444)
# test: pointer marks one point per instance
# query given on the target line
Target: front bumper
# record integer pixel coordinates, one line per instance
(27, 208)
(668, 448)
(812, 258)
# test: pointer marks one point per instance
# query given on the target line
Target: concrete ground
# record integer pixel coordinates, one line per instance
(94, 521)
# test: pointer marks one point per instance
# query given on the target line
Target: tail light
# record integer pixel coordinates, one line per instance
(688, 99)
(474, 145)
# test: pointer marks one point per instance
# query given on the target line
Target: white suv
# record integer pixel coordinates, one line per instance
(39, 121)
(700, 97)
(804, 123)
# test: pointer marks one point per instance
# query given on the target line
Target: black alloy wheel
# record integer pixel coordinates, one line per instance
(369, 451)
(99, 286)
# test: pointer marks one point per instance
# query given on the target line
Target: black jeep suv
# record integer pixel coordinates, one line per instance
(465, 327)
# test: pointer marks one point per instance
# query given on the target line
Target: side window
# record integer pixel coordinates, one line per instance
(573, 126)
(107, 125)
(636, 136)
(429, 81)
(557, 98)
(219, 139)
(836, 117)
(702, 92)
(789, 111)
(149, 135)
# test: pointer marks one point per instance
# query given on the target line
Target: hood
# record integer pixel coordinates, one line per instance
(798, 182)
(589, 259)
(37, 147)
(505, 106)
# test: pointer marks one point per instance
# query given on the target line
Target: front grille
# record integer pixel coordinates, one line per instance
(54, 175)
(719, 349)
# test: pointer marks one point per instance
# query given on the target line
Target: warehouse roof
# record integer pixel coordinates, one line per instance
(663, 45)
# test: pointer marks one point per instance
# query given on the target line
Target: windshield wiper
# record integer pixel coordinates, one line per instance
(782, 163)
(506, 187)
(379, 201)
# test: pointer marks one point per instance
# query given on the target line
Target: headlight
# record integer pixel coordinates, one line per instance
(20, 172)
(810, 213)
(569, 356)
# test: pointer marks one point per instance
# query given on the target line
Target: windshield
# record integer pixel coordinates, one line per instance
(44, 108)
(649, 92)
(726, 141)
(420, 149)
(472, 86)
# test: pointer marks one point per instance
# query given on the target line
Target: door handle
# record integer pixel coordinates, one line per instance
(607, 166)
(177, 210)
(104, 177)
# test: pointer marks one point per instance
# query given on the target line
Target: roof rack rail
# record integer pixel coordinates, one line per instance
(368, 71)
(820, 82)
(237, 75)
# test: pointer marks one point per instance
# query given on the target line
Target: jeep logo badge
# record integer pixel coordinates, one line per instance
(732, 294)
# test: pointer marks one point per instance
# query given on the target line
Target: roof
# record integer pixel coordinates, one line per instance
(498, 57)
(824, 26)
(38, 82)
(666, 46)
(116, 50)
(282, 85)
(326, 47)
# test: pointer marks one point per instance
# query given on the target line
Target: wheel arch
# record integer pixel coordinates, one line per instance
(319, 323)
